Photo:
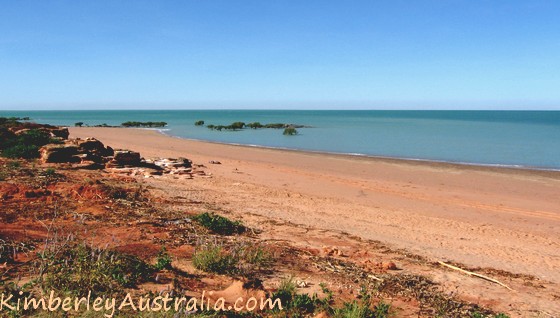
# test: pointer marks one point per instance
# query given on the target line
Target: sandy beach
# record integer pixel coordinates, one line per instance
(482, 217)
(489, 217)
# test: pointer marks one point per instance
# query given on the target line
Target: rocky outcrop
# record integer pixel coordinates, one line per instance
(56, 132)
(85, 151)
(59, 153)
(124, 157)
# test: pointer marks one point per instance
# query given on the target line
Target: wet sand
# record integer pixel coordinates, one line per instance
(507, 219)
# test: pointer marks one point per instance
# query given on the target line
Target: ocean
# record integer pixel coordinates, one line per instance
(502, 138)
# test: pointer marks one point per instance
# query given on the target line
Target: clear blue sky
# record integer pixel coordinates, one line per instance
(275, 54)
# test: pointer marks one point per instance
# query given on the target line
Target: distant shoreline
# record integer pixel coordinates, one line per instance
(412, 161)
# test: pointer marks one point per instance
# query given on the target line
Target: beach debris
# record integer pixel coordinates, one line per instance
(301, 283)
(214, 162)
(474, 274)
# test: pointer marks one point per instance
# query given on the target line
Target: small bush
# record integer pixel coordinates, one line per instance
(290, 132)
(214, 259)
(199, 123)
(299, 305)
(49, 172)
(26, 145)
(163, 260)
(35, 137)
(237, 125)
(21, 151)
(255, 255)
(219, 224)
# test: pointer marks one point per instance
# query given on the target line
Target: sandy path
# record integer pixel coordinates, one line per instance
(501, 218)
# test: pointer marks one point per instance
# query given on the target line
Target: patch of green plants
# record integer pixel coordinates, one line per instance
(219, 224)
(25, 145)
(302, 305)
(79, 269)
(290, 131)
(254, 254)
(213, 258)
(299, 305)
(49, 172)
(163, 260)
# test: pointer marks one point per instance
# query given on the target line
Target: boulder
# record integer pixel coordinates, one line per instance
(59, 153)
(127, 157)
(94, 147)
(60, 132)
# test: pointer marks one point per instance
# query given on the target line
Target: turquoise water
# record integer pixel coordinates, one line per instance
(510, 138)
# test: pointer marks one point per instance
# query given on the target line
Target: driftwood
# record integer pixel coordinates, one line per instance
(474, 274)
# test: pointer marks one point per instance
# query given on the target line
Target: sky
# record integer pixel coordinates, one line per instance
(393, 54)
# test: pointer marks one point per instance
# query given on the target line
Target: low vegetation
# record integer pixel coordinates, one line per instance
(25, 145)
(214, 258)
(144, 124)
(78, 269)
(289, 128)
(163, 260)
(300, 305)
(219, 224)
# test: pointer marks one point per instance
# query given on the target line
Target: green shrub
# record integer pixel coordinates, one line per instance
(255, 255)
(35, 137)
(21, 151)
(163, 260)
(286, 291)
(49, 172)
(7, 138)
(219, 224)
(199, 123)
(214, 259)
(25, 145)
(237, 125)
(290, 131)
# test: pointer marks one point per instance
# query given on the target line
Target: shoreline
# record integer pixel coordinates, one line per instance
(412, 161)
